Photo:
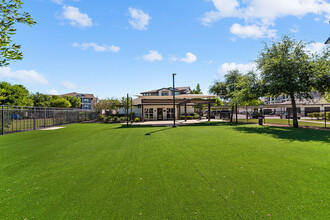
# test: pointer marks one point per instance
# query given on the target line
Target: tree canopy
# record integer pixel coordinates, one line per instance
(14, 95)
(287, 67)
(10, 14)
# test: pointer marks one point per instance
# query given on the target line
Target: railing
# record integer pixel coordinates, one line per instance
(21, 118)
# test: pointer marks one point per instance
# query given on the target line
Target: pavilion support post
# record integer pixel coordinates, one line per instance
(142, 113)
(185, 112)
(179, 111)
(200, 112)
(209, 111)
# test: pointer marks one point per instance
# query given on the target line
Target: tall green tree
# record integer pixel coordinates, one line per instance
(288, 68)
(10, 14)
(14, 95)
(41, 100)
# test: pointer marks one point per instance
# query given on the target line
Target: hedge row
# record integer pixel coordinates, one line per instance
(114, 119)
(319, 115)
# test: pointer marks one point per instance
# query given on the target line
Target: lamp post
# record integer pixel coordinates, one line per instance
(173, 74)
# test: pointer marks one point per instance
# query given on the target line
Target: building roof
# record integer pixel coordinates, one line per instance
(183, 96)
(85, 95)
(168, 88)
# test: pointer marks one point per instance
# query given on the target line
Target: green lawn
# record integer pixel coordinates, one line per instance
(209, 171)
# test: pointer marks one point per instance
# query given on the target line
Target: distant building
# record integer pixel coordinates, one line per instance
(87, 100)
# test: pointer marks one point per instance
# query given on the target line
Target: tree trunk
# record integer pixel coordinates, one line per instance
(232, 113)
(236, 114)
(294, 111)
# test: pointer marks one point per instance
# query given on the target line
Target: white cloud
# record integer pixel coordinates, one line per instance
(69, 85)
(76, 17)
(25, 76)
(263, 13)
(152, 56)
(244, 68)
(59, 2)
(252, 31)
(190, 58)
(96, 47)
(139, 20)
(52, 92)
(294, 29)
(316, 47)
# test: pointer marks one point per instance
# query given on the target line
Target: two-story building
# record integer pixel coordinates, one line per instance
(87, 100)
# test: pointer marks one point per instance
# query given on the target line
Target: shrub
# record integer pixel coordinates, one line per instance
(115, 118)
(196, 116)
(108, 119)
(122, 119)
(100, 118)
(189, 117)
(137, 119)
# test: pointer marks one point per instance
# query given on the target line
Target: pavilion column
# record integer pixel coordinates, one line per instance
(209, 111)
(200, 112)
(185, 112)
(142, 113)
(179, 111)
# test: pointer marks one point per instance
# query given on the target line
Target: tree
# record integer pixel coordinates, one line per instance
(197, 90)
(288, 68)
(248, 89)
(227, 90)
(74, 101)
(60, 103)
(107, 104)
(41, 100)
(14, 95)
(10, 14)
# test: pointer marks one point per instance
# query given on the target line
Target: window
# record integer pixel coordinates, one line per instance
(169, 113)
(86, 101)
(86, 107)
(148, 113)
(165, 93)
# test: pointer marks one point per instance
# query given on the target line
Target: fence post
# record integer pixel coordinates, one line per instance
(54, 116)
(45, 116)
(3, 120)
(34, 118)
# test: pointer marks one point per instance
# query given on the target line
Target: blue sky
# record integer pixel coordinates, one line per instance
(111, 48)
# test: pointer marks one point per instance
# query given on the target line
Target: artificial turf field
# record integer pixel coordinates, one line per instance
(205, 171)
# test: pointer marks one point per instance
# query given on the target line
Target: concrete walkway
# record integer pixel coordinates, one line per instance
(170, 123)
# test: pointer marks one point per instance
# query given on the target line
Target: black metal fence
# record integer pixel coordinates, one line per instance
(316, 118)
(20, 118)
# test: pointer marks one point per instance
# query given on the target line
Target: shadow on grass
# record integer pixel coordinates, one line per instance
(291, 134)
(159, 130)
(285, 133)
